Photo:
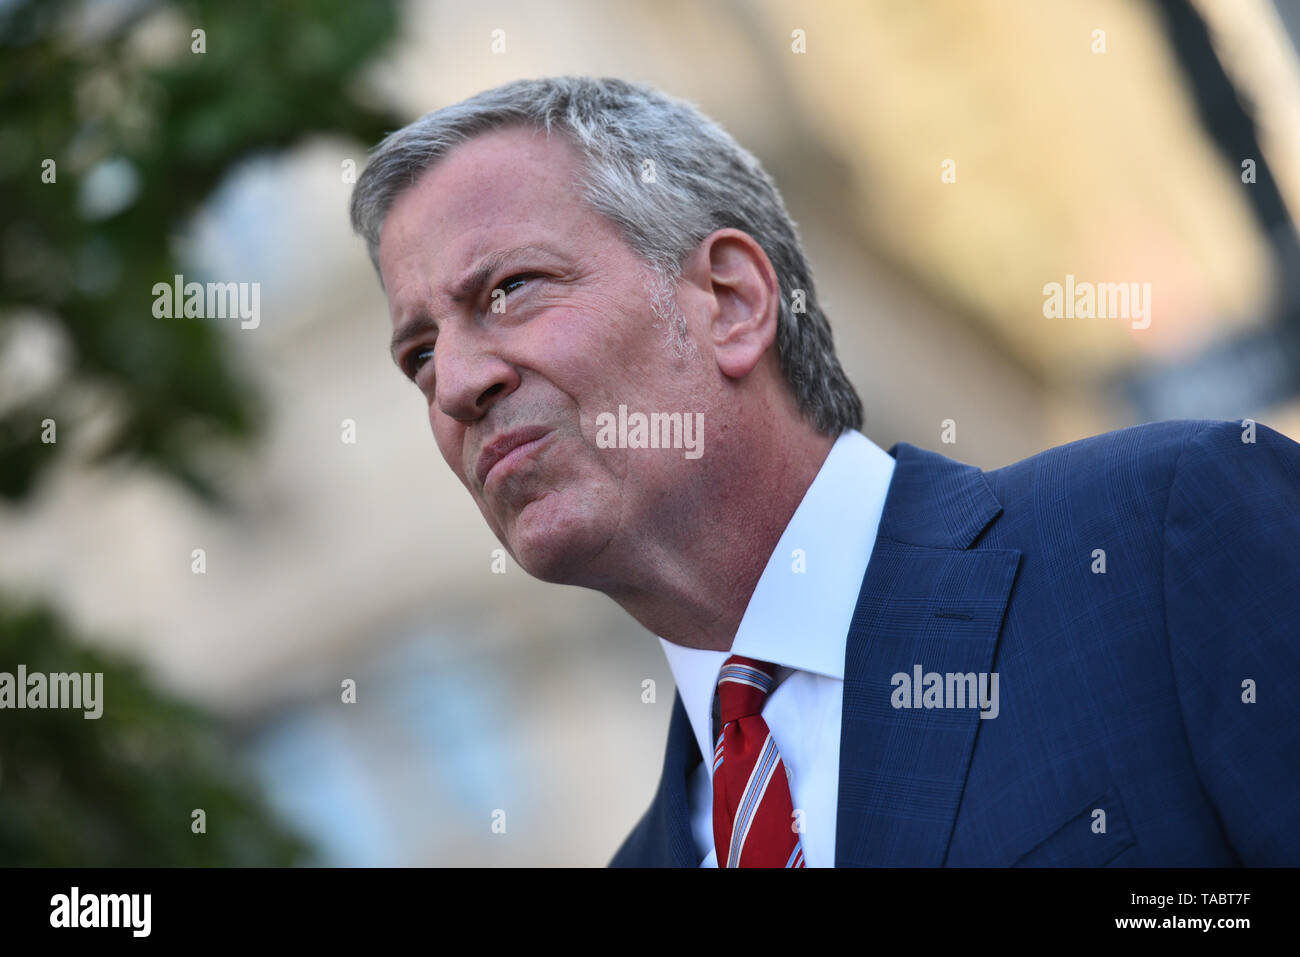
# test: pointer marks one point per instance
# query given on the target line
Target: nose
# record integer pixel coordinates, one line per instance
(469, 376)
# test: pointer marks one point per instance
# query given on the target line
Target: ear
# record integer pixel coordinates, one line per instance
(743, 296)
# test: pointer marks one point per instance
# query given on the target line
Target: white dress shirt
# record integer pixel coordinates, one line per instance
(799, 620)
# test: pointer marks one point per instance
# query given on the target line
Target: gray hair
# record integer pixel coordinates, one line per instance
(632, 136)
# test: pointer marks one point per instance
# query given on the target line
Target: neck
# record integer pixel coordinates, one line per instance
(692, 582)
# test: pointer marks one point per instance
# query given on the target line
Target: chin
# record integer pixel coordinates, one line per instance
(554, 541)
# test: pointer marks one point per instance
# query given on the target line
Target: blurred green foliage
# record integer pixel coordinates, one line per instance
(115, 88)
(120, 789)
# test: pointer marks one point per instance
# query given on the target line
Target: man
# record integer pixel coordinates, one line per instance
(1085, 658)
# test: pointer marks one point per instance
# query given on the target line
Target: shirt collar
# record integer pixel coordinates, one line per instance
(800, 619)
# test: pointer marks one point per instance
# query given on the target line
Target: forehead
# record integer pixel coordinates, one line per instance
(503, 189)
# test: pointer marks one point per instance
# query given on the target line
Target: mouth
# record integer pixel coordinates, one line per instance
(504, 451)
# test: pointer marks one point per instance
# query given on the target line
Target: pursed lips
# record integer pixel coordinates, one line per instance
(501, 446)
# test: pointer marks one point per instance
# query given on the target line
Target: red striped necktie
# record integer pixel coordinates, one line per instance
(753, 815)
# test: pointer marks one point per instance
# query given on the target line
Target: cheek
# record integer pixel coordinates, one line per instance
(598, 349)
(449, 435)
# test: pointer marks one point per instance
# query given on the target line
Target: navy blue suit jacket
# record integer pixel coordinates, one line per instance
(1124, 692)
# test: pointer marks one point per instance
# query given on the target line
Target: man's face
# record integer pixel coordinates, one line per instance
(513, 395)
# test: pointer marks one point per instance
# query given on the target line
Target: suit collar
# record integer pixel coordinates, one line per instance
(935, 501)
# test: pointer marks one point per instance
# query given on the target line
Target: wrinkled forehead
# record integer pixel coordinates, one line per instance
(502, 189)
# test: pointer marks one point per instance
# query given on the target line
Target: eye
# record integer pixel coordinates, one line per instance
(416, 360)
(512, 283)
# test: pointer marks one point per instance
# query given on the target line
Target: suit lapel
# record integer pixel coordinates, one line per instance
(927, 599)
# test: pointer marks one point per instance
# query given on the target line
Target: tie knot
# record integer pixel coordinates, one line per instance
(743, 684)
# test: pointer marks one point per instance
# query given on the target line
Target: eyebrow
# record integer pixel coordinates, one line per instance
(468, 287)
